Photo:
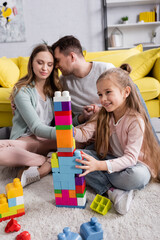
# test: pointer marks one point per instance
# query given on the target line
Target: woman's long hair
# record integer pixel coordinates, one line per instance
(150, 146)
(52, 83)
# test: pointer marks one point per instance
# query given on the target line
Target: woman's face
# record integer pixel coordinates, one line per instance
(43, 64)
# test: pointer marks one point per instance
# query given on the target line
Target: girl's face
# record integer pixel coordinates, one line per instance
(43, 64)
(112, 97)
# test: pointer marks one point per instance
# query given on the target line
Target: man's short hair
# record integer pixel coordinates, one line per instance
(68, 44)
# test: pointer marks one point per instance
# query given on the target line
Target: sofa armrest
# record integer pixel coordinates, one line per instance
(156, 69)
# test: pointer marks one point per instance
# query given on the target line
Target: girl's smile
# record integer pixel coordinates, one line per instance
(112, 97)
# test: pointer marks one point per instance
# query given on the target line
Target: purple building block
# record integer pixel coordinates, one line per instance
(66, 106)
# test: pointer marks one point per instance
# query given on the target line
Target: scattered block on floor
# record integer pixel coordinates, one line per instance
(12, 203)
(101, 204)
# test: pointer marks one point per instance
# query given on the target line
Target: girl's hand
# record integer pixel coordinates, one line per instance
(90, 164)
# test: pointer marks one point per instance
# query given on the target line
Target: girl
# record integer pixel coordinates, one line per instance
(120, 129)
(32, 133)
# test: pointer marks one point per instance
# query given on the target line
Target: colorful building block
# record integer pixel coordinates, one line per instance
(24, 236)
(12, 226)
(91, 230)
(14, 189)
(12, 204)
(101, 204)
(68, 235)
(70, 191)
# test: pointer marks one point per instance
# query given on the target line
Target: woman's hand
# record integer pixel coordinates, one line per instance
(90, 164)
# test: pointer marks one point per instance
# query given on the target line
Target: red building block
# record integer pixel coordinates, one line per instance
(24, 236)
(12, 226)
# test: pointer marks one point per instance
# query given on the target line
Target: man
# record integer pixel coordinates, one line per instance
(79, 78)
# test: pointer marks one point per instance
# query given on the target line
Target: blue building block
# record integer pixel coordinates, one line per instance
(57, 185)
(66, 180)
(55, 170)
(91, 230)
(12, 202)
(65, 185)
(68, 235)
(57, 106)
(70, 169)
(68, 161)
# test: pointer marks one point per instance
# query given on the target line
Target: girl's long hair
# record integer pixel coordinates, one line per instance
(150, 147)
(52, 83)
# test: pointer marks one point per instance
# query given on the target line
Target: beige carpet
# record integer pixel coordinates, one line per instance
(44, 220)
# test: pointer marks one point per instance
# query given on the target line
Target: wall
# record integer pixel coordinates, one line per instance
(51, 19)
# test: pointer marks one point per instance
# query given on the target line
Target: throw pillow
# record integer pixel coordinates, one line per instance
(9, 72)
(23, 65)
(114, 57)
(142, 63)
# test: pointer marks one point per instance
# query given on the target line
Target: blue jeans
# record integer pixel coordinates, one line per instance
(145, 107)
(134, 177)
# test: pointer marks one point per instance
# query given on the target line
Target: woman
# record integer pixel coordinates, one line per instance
(33, 134)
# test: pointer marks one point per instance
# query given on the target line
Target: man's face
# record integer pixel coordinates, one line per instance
(62, 62)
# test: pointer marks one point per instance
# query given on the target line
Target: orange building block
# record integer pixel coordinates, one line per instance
(58, 195)
(72, 193)
(22, 210)
(64, 138)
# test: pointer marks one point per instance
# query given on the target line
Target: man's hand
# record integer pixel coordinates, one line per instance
(88, 111)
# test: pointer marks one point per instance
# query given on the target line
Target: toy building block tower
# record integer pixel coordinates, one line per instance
(69, 188)
(12, 204)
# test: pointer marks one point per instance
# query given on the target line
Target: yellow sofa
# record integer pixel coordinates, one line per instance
(145, 73)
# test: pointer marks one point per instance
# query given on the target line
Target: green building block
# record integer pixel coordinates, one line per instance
(101, 204)
(57, 191)
(64, 127)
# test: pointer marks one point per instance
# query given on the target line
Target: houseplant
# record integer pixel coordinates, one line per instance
(124, 20)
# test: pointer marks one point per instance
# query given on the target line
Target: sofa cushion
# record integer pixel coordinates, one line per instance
(9, 72)
(5, 104)
(156, 70)
(114, 57)
(149, 87)
(142, 63)
(15, 60)
(23, 66)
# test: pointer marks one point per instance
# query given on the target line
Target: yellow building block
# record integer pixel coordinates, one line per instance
(101, 204)
(74, 143)
(54, 161)
(9, 213)
(17, 207)
(3, 204)
(64, 138)
(14, 189)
